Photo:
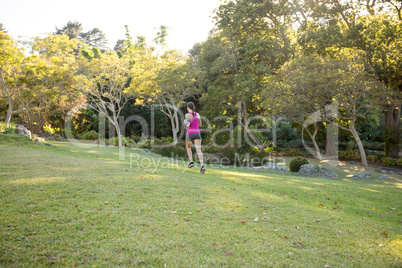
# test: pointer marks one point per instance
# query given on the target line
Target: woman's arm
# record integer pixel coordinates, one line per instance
(199, 119)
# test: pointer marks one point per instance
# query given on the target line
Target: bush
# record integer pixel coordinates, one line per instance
(127, 142)
(349, 155)
(389, 161)
(10, 129)
(171, 151)
(210, 149)
(135, 138)
(296, 163)
(372, 158)
(90, 135)
(182, 144)
(167, 139)
(291, 152)
(146, 144)
(228, 152)
(157, 141)
(2, 126)
(375, 146)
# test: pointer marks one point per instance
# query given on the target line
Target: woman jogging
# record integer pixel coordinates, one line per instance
(192, 122)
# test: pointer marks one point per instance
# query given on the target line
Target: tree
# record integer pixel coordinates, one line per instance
(92, 38)
(50, 78)
(300, 91)
(103, 81)
(72, 30)
(251, 39)
(12, 69)
(167, 80)
(313, 82)
(378, 36)
(124, 45)
(2, 29)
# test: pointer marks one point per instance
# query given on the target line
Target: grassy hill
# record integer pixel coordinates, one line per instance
(71, 206)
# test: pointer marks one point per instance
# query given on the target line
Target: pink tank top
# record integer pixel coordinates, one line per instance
(193, 128)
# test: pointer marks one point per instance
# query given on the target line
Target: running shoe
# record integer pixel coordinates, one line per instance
(190, 165)
(202, 170)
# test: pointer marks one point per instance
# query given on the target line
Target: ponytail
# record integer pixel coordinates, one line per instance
(192, 107)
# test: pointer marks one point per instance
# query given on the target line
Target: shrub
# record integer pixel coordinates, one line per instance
(10, 129)
(127, 142)
(290, 152)
(90, 135)
(157, 141)
(296, 163)
(135, 138)
(2, 126)
(228, 152)
(389, 161)
(145, 144)
(167, 139)
(210, 149)
(171, 151)
(349, 155)
(376, 146)
(372, 158)
(182, 144)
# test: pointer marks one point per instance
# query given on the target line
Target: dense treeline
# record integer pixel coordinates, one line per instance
(293, 66)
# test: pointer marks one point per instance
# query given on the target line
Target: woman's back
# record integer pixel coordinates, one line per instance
(193, 128)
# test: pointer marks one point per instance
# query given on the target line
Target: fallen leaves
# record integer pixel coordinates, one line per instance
(298, 244)
(383, 233)
(243, 222)
(318, 220)
(226, 252)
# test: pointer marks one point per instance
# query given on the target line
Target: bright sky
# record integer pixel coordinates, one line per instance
(189, 20)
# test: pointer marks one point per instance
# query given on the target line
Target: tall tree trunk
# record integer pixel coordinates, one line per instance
(312, 136)
(359, 143)
(119, 134)
(330, 145)
(175, 128)
(392, 121)
(249, 132)
(9, 113)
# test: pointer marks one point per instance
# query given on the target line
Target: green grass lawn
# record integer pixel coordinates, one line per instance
(70, 206)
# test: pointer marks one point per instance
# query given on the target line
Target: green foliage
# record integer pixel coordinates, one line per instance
(376, 146)
(372, 158)
(181, 144)
(126, 142)
(228, 152)
(210, 149)
(167, 139)
(10, 129)
(290, 152)
(296, 163)
(145, 144)
(90, 135)
(349, 155)
(389, 161)
(171, 151)
(158, 141)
